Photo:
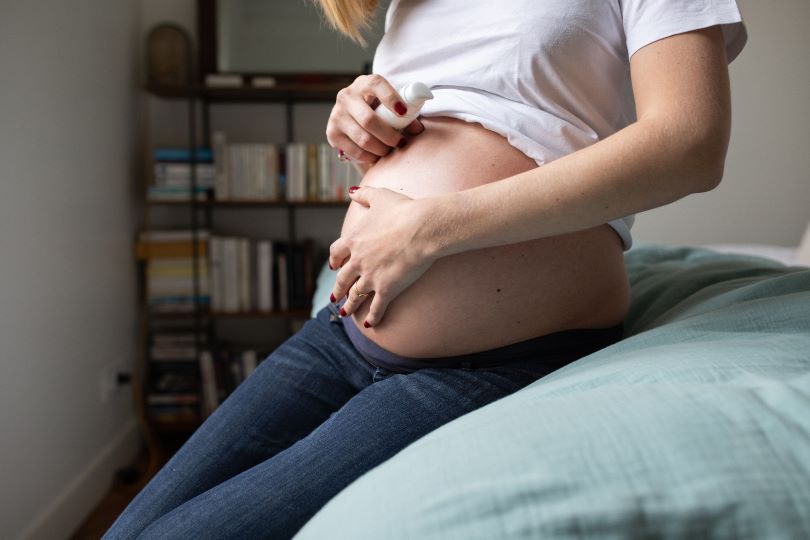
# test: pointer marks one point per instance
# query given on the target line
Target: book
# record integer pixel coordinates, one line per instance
(263, 81)
(244, 274)
(208, 380)
(223, 80)
(248, 363)
(230, 265)
(175, 154)
(265, 276)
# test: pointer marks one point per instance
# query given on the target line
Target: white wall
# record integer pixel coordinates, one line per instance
(67, 274)
(765, 193)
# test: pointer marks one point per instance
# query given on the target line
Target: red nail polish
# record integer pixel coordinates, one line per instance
(400, 108)
(365, 323)
(332, 298)
(353, 189)
(342, 312)
(402, 142)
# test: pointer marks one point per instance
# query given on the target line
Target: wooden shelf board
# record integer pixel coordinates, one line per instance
(324, 90)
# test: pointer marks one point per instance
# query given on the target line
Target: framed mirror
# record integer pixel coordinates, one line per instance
(286, 37)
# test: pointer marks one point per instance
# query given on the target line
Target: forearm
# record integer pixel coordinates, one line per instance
(645, 165)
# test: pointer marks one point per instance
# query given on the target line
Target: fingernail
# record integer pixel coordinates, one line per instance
(332, 298)
(365, 323)
(353, 189)
(400, 108)
(342, 312)
(402, 142)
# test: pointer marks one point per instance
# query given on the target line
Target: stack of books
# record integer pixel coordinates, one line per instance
(295, 172)
(222, 371)
(170, 269)
(172, 174)
(254, 275)
(174, 385)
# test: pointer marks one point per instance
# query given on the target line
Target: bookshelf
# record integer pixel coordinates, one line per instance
(184, 335)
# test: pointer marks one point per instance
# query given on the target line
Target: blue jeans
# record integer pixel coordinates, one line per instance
(314, 416)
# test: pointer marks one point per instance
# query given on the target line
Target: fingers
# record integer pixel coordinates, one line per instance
(379, 87)
(344, 281)
(353, 299)
(414, 128)
(353, 125)
(379, 303)
(338, 254)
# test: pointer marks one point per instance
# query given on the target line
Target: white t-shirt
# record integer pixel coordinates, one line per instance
(551, 76)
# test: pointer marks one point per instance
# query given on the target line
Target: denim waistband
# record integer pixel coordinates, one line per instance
(558, 347)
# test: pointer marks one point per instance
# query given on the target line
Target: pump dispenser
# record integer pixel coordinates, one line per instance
(414, 95)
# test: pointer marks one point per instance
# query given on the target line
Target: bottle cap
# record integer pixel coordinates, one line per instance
(416, 93)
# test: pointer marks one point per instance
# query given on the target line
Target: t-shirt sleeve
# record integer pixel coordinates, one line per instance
(646, 21)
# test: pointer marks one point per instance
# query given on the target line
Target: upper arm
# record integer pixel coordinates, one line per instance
(681, 83)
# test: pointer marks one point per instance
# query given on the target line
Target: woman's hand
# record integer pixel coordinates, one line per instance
(384, 253)
(354, 128)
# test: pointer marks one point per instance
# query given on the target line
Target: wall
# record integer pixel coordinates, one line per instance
(765, 193)
(67, 285)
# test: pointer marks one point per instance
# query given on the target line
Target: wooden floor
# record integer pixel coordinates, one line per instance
(113, 503)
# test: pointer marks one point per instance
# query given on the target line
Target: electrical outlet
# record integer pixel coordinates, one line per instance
(108, 385)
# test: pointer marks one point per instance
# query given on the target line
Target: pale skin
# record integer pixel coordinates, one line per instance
(676, 147)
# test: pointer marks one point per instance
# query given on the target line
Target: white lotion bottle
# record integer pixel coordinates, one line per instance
(414, 95)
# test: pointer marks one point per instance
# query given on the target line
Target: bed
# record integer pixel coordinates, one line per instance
(696, 425)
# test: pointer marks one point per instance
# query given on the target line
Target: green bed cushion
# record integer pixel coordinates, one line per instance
(696, 425)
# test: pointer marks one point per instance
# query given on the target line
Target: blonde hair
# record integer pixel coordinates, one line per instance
(349, 17)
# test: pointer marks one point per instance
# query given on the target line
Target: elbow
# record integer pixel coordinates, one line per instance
(710, 178)
(707, 159)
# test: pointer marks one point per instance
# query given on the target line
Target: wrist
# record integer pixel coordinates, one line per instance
(433, 235)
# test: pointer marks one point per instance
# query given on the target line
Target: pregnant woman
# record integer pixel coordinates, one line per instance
(482, 250)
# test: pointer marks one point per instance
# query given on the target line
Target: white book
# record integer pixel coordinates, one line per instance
(261, 171)
(326, 191)
(244, 274)
(208, 378)
(249, 361)
(265, 275)
(220, 147)
(230, 258)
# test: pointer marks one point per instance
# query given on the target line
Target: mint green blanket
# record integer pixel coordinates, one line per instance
(696, 425)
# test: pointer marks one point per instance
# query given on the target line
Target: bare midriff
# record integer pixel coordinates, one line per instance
(486, 298)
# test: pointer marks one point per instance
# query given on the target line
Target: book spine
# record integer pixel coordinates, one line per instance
(221, 191)
(312, 172)
(209, 383)
(244, 274)
(265, 275)
(230, 256)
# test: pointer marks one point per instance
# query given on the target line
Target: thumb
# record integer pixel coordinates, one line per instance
(362, 195)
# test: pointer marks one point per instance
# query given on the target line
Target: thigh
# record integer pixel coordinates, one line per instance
(291, 392)
(275, 498)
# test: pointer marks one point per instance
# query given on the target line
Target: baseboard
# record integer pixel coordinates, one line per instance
(66, 512)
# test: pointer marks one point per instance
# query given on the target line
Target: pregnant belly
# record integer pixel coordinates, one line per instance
(487, 298)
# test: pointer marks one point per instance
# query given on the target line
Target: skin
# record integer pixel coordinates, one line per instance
(676, 147)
